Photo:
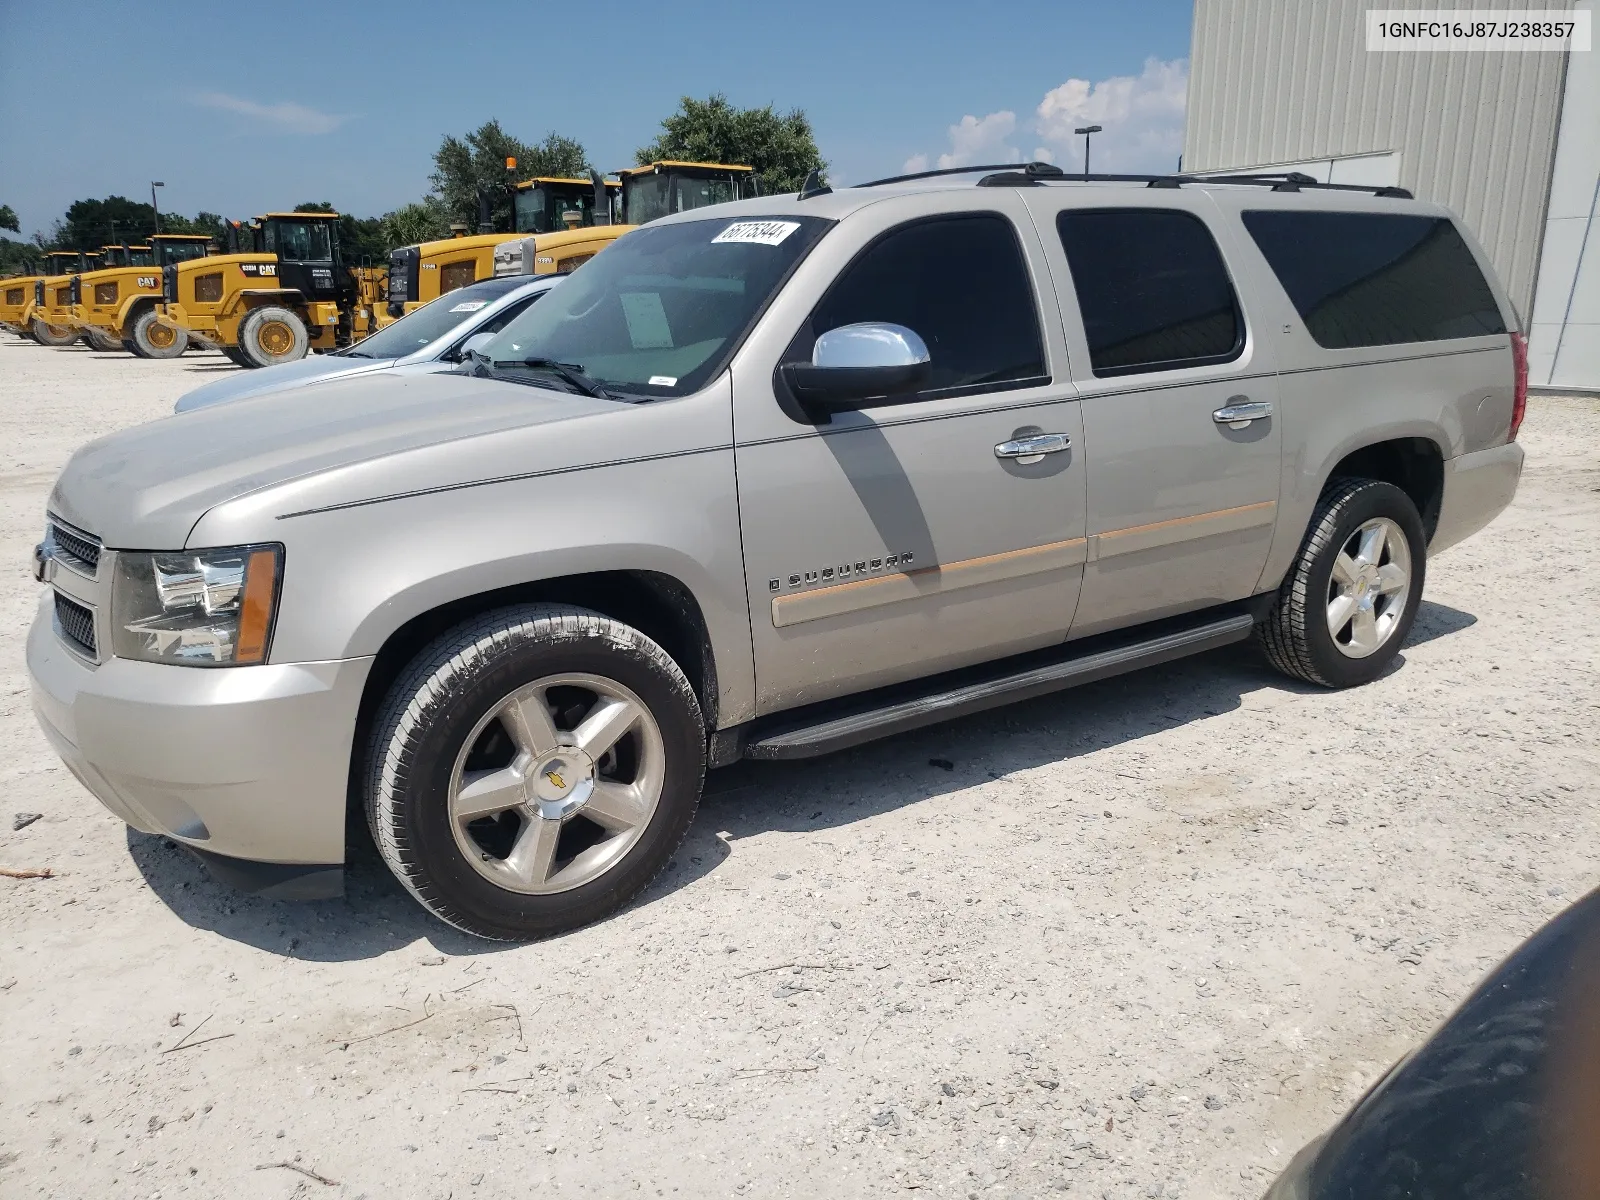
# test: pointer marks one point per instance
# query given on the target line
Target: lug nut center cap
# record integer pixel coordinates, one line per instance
(562, 782)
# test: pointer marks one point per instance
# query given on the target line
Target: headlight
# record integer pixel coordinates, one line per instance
(210, 608)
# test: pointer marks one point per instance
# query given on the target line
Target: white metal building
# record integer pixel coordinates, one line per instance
(1511, 141)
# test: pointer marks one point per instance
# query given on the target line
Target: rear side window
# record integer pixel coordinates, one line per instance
(1376, 279)
(1152, 288)
(961, 284)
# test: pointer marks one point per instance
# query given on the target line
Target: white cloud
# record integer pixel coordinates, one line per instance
(286, 116)
(981, 139)
(1142, 115)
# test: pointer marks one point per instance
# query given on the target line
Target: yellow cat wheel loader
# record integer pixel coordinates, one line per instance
(641, 195)
(114, 308)
(16, 302)
(571, 219)
(290, 293)
(45, 317)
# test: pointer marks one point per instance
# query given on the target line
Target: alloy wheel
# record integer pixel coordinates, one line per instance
(1368, 589)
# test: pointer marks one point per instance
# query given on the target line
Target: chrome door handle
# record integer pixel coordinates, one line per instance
(1238, 412)
(1031, 449)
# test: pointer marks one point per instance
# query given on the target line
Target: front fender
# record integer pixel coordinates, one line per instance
(356, 571)
(128, 310)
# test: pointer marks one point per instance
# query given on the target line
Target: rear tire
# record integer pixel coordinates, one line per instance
(155, 340)
(271, 335)
(132, 347)
(52, 335)
(533, 769)
(236, 356)
(103, 342)
(1345, 607)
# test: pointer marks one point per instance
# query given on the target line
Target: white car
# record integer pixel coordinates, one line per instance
(423, 342)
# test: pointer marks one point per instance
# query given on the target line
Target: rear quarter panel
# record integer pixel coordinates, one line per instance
(1456, 394)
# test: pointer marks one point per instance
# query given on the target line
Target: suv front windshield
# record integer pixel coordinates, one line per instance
(659, 312)
(434, 320)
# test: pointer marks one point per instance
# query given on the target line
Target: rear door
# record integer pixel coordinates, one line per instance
(907, 538)
(1179, 395)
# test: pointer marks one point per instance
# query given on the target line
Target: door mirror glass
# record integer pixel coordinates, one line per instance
(870, 360)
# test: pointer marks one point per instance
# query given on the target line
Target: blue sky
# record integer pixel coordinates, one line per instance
(289, 102)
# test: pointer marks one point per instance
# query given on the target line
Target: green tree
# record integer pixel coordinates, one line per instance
(462, 166)
(413, 223)
(8, 219)
(91, 224)
(780, 146)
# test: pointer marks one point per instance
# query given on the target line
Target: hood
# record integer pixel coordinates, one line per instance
(237, 384)
(145, 487)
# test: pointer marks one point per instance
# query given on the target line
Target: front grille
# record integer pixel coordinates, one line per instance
(75, 624)
(74, 546)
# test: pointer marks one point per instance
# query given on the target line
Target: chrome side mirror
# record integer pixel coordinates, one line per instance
(473, 344)
(872, 361)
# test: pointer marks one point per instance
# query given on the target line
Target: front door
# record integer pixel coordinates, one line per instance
(1180, 410)
(910, 538)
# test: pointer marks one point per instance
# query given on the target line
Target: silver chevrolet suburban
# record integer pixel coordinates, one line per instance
(768, 480)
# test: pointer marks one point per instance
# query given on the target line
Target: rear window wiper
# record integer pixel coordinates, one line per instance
(570, 373)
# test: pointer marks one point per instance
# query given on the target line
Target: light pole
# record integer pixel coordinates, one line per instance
(1086, 131)
(153, 186)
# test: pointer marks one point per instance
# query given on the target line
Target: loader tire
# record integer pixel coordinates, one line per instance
(102, 342)
(53, 335)
(271, 335)
(155, 340)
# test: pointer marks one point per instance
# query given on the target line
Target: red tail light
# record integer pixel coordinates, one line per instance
(1519, 398)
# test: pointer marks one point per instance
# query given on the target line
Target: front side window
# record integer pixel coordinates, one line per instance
(300, 241)
(1376, 279)
(961, 284)
(1152, 289)
(660, 312)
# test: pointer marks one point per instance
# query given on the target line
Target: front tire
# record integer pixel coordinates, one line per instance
(271, 335)
(1345, 607)
(52, 335)
(533, 769)
(152, 339)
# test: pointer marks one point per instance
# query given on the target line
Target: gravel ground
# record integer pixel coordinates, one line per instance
(1140, 939)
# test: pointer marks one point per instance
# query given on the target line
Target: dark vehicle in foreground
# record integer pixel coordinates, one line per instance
(1502, 1103)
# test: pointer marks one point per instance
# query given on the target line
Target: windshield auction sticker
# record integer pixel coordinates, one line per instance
(757, 233)
(469, 306)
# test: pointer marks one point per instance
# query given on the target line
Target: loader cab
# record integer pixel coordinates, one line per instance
(125, 256)
(660, 189)
(65, 262)
(550, 204)
(178, 247)
(307, 246)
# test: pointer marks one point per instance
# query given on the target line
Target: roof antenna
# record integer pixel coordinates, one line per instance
(813, 186)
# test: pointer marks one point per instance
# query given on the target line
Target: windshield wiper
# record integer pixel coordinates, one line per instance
(570, 373)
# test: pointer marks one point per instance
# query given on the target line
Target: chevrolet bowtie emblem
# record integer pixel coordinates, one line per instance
(558, 781)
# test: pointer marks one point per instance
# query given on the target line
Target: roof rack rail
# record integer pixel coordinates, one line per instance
(1034, 173)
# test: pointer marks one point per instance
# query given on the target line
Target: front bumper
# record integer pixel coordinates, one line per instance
(249, 763)
(1477, 489)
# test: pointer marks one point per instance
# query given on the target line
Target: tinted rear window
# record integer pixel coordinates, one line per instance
(1152, 289)
(1376, 279)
